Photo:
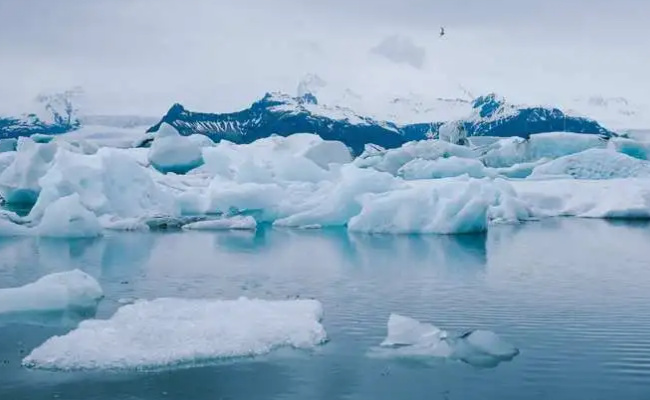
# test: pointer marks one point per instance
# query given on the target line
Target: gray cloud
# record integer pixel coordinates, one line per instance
(134, 56)
(401, 49)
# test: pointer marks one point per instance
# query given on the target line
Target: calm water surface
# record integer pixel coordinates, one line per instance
(573, 295)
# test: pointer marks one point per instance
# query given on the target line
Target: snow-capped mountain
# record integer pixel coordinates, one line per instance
(55, 113)
(281, 114)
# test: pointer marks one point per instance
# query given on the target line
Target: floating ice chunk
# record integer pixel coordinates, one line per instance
(68, 218)
(392, 160)
(334, 203)
(405, 331)
(109, 182)
(301, 157)
(594, 164)
(171, 152)
(326, 152)
(612, 198)
(520, 171)
(231, 223)
(516, 150)
(19, 180)
(443, 168)
(169, 332)
(484, 348)
(408, 337)
(445, 206)
(453, 132)
(70, 290)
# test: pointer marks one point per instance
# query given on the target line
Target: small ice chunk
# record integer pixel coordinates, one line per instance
(238, 222)
(171, 152)
(68, 218)
(408, 331)
(70, 290)
(408, 337)
(443, 168)
(483, 349)
(170, 332)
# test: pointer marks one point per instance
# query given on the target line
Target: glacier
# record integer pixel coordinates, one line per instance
(173, 332)
(410, 338)
(70, 290)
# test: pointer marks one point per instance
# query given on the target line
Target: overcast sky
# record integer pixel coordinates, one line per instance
(139, 56)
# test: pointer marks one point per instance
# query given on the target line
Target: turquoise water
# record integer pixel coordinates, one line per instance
(572, 295)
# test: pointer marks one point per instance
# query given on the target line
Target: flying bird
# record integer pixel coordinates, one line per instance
(442, 31)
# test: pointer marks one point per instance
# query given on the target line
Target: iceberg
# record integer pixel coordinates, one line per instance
(71, 290)
(108, 182)
(332, 203)
(611, 198)
(408, 338)
(171, 152)
(594, 164)
(19, 180)
(445, 206)
(231, 223)
(170, 332)
(392, 160)
(516, 150)
(300, 157)
(444, 168)
(68, 218)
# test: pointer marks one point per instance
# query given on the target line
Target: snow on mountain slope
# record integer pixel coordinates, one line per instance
(281, 114)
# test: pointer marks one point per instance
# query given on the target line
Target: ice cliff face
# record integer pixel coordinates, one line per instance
(284, 115)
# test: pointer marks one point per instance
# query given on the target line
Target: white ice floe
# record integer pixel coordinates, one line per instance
(409, 338)
(70, 290)
(224, 224)
(171, 332)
